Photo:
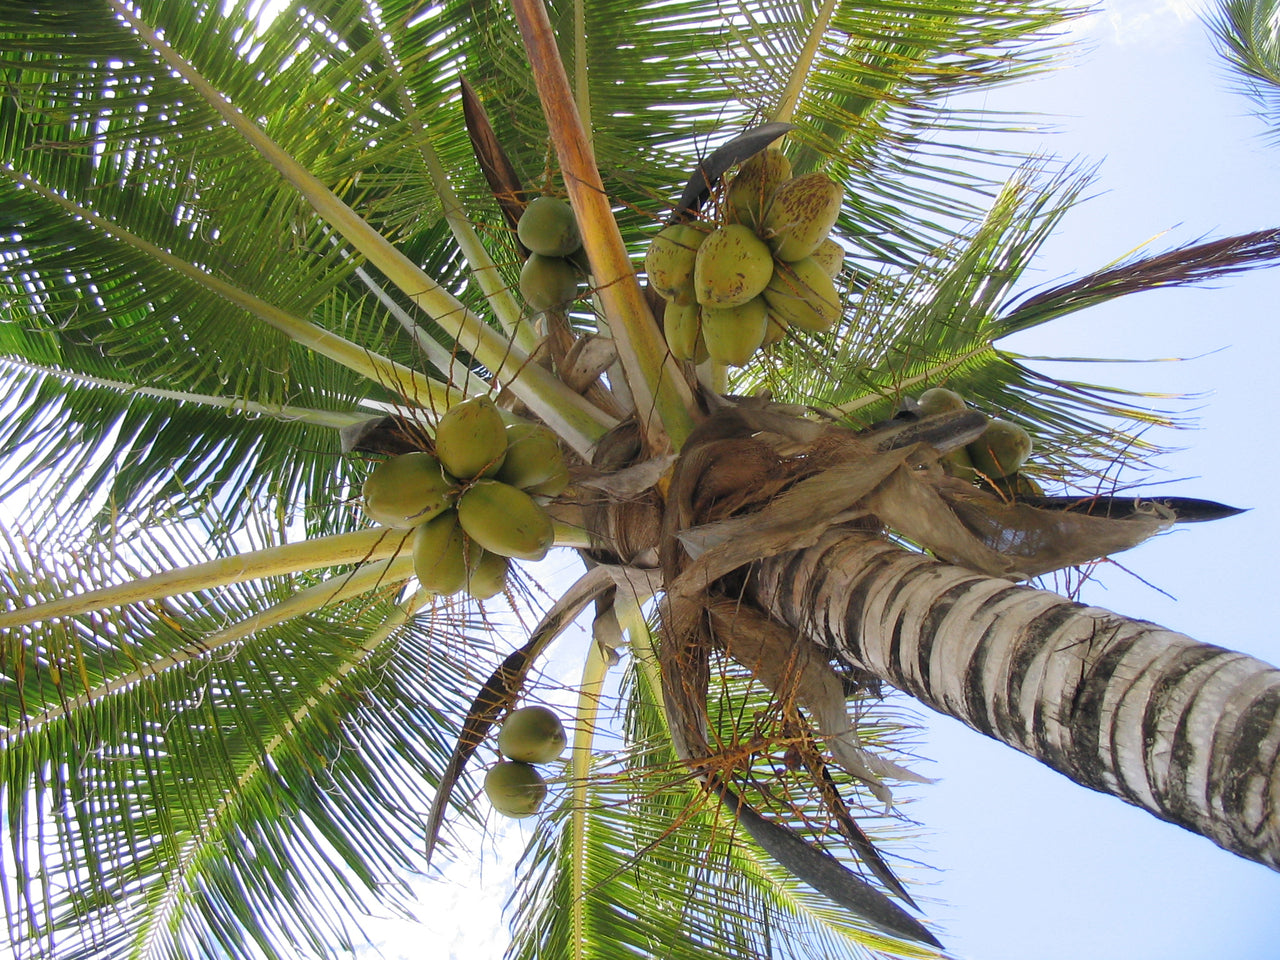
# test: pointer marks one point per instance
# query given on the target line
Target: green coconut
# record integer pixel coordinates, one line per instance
(514, 789)
(682, 327)
(802, 294)
(489, 578)
(407, 490)
(441, 555)
(547, 227)
(533, 456)
(940, 400)
(830, 256)
(1001, 450)
(471, 439)
(731, 267)
(548, 282)
(505, 520)
(733, 334)
(533, 735)
(756, 180)
(669, 261)
(801, 214)
(959, 464)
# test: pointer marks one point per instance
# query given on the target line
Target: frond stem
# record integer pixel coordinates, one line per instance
(377, 543)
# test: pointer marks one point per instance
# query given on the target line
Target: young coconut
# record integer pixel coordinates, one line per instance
(802, 294)
(682, 328)
(505, 520)
(757, 179)
(830, 256)
(515, 789)
(532, 735)
(489, 578)
(407, 490)
(471, 439)
(940, 400)
(801, 214)
(733, 334)
(533, 456)
(441, 555)
(732, 266)
(548, 282)
(1001, 450)
(669, 261)
(547, 227)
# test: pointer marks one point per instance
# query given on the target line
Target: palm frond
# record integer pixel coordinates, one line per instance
(1247, 34)
(658, 865)
(214, 807)
(941, 325)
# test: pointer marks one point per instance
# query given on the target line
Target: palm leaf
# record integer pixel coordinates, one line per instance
(201, 807)
(1247, 33)
(661, 866)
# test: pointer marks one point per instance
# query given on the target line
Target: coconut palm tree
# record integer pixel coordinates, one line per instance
(251, 256)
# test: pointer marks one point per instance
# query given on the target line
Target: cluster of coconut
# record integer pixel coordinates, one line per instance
(476, 502)
(735, 288)
(529, 735)
(995, 457)
(549, 279)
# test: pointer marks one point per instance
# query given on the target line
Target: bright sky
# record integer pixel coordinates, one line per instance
(1033, 866)
(1029, 865)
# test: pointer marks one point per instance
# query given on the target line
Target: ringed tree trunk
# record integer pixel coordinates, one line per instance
(1186, 730)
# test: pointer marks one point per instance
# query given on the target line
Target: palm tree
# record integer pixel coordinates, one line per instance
(246, 258)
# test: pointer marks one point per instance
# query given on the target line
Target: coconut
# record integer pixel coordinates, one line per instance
(733, 334)
(515, 789)
(441, 554)
(669, 261)
(407, 490)
(757, 179)
(547, 227)
(1001, 450)
(802, 294)
(471, 439)
(504, 520)
(489, 578)
(533, 456)
(801, 214)
(548, 282)
(731, 267)
(681, 324)
(940, 400)
(533, 735)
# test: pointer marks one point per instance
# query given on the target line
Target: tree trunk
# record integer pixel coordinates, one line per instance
(1186, 730)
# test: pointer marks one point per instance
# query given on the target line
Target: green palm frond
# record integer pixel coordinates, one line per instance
(134, 448)
(1247, 33)
(661, 867)
(942, 324)
(245, 796)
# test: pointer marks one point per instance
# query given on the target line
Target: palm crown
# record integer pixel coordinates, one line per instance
(231, 241)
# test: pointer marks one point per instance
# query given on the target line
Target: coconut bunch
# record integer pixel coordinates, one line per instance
(549, 279)
(771, 266)
(528, 736)
(995, 458)
(474, 502)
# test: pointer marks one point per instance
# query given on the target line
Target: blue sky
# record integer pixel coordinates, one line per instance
(1026, 864)
(1031, 865)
